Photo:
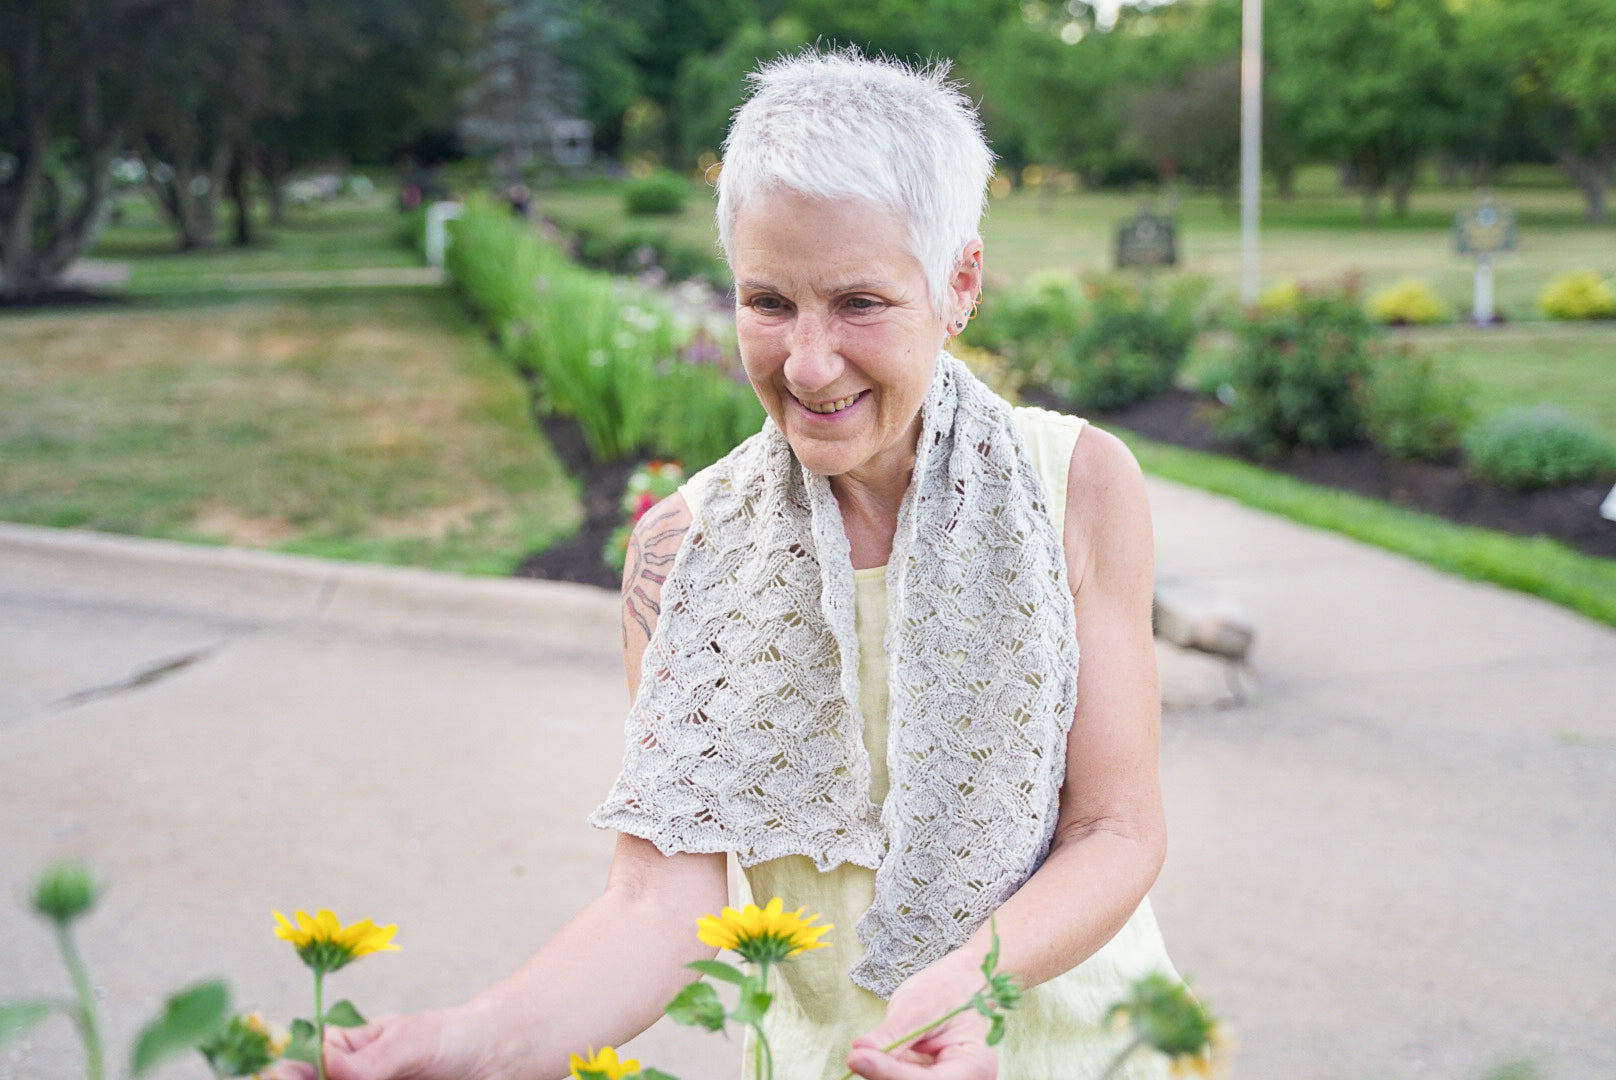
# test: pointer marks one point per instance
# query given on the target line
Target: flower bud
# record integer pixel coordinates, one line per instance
(65, 891)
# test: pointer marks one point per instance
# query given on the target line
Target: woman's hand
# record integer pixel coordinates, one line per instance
(435, 1045)
(957, 1049)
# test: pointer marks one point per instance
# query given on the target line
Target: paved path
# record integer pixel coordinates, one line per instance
(1398, 860)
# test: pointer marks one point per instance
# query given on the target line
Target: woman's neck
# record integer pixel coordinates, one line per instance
(870, 515)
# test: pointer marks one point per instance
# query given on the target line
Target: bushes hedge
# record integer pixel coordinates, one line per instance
(662, 192)
(1408, 303)
(1580, 295)
(597, 348)
(1537, 447)
(1098, 344)
(1298, 374)
(1413, 407)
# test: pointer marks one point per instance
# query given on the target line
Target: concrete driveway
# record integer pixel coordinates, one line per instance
(1396, 860)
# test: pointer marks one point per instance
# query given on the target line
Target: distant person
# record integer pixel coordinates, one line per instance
(852, 648)
(519, 199)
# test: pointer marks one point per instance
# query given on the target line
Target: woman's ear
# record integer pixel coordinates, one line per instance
(965, 287)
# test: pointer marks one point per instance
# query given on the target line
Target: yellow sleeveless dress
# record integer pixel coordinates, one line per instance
(1058, 1032)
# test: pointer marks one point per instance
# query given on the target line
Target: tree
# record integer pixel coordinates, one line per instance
(1559, 59)
(1190, 125)
(712, 85)
(69, 76)
(1369, 82)
(520, 82)
(363, 81)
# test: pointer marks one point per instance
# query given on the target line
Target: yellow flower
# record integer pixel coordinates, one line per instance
(603, 1065)
(1210, 1063)
(762, 935)
(326, 945)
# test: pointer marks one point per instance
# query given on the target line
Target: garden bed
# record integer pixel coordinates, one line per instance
(1443, 489)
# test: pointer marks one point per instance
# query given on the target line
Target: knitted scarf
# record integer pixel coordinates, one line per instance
(746, 735)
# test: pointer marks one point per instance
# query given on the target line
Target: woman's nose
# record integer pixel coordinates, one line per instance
(814, 362)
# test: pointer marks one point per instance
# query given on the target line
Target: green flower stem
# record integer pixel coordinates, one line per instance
(765, 1053)
(89, 1026)
(319, 1020)
(1118, 1061)
(918, 1032)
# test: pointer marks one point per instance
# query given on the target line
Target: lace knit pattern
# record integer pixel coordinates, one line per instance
(746, 734)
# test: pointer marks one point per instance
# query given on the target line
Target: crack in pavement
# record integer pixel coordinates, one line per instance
(146, 676)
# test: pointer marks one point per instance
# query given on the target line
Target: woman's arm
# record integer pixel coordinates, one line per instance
(609, 971)
(1110, 837)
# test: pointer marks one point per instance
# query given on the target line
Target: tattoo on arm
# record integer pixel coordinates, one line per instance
(651, 552)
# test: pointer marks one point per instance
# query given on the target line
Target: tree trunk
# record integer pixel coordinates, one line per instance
(1371, 203)
(46, 221)
(1285, 182)
(1592, 174)
(1402, 190)
(273, 167)
(241, 193)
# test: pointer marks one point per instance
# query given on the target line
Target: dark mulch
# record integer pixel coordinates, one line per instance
(1444, 489)
(578, 558)
(1182, 418)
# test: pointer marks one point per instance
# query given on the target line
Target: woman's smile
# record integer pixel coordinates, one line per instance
(832, 408)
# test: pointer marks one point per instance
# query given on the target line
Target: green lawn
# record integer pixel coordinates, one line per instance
(366, 423)
(345, 236)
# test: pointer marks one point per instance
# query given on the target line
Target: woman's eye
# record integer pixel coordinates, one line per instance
(767, 305)
(862, 305)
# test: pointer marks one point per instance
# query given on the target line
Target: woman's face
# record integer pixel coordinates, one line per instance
(836, 330)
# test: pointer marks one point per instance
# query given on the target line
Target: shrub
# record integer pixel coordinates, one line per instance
(704, 412)
(650, 484)
(637, 250)
(1537, 447)
(1132, 342)
(661, 192)
(1408, 303)
(1280, 298)
(1580, 295)
(1297, 375)
(1413, 407)
(597, 348)
(1032, 325)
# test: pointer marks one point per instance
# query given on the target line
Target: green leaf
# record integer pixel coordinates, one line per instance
(343, 1014)
(995, 1029)
(1005, 991)
(991, 961)
(17, 1017)
(717, 969)
(753, 1004)
(697, 1005)
(656, 1074)
(190, 1018)
(302, 1047)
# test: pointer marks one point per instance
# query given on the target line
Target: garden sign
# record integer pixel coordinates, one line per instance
(1482, 231)
(1147, 240)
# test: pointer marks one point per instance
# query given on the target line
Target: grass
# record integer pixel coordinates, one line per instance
(1537, 566)
(355, 423)
(1568, 365)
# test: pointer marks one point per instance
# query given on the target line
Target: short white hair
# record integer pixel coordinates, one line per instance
(839, 125)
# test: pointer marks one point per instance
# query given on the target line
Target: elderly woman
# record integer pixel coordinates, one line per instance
(852, 647)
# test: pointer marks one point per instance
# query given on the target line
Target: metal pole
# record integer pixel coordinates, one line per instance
(1251, 74)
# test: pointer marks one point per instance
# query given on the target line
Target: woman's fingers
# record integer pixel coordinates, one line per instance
(959, 1061)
